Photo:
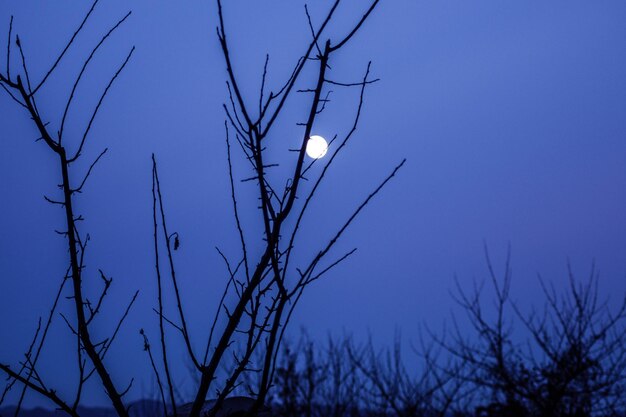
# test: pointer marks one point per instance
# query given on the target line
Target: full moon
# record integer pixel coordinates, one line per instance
(316, 147)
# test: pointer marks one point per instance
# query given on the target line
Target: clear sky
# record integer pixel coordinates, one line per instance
(512, 116)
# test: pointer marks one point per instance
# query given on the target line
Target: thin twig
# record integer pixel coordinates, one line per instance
(67, 46)
(95, 112)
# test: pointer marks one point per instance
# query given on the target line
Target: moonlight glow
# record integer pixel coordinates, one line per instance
(316, 147)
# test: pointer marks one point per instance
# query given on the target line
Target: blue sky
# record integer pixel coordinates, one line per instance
(512, 116)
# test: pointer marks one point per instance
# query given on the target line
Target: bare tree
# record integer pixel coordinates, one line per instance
(266, 288)
(90, 353)
(269, 287)
(316, 380)
(428, 387)
(572, 365)
(342, 379)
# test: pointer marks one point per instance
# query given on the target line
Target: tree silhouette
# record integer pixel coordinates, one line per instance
(572, 365)
(89, 352)
(266, 287)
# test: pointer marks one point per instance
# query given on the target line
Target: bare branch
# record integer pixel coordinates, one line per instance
(93, 164)
(9, 38)
(82, 71)
(95, 112)
(67, 46)
(356, 28)
(50, 394)
(168, 377)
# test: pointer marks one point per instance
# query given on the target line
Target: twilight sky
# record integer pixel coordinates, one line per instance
(512, 116)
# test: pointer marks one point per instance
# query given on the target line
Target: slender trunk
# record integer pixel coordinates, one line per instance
(83, 330)
(208, 372)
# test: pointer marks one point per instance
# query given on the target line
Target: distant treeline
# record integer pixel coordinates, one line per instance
(567, 359)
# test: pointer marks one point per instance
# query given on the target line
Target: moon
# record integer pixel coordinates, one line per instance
(316, 147)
